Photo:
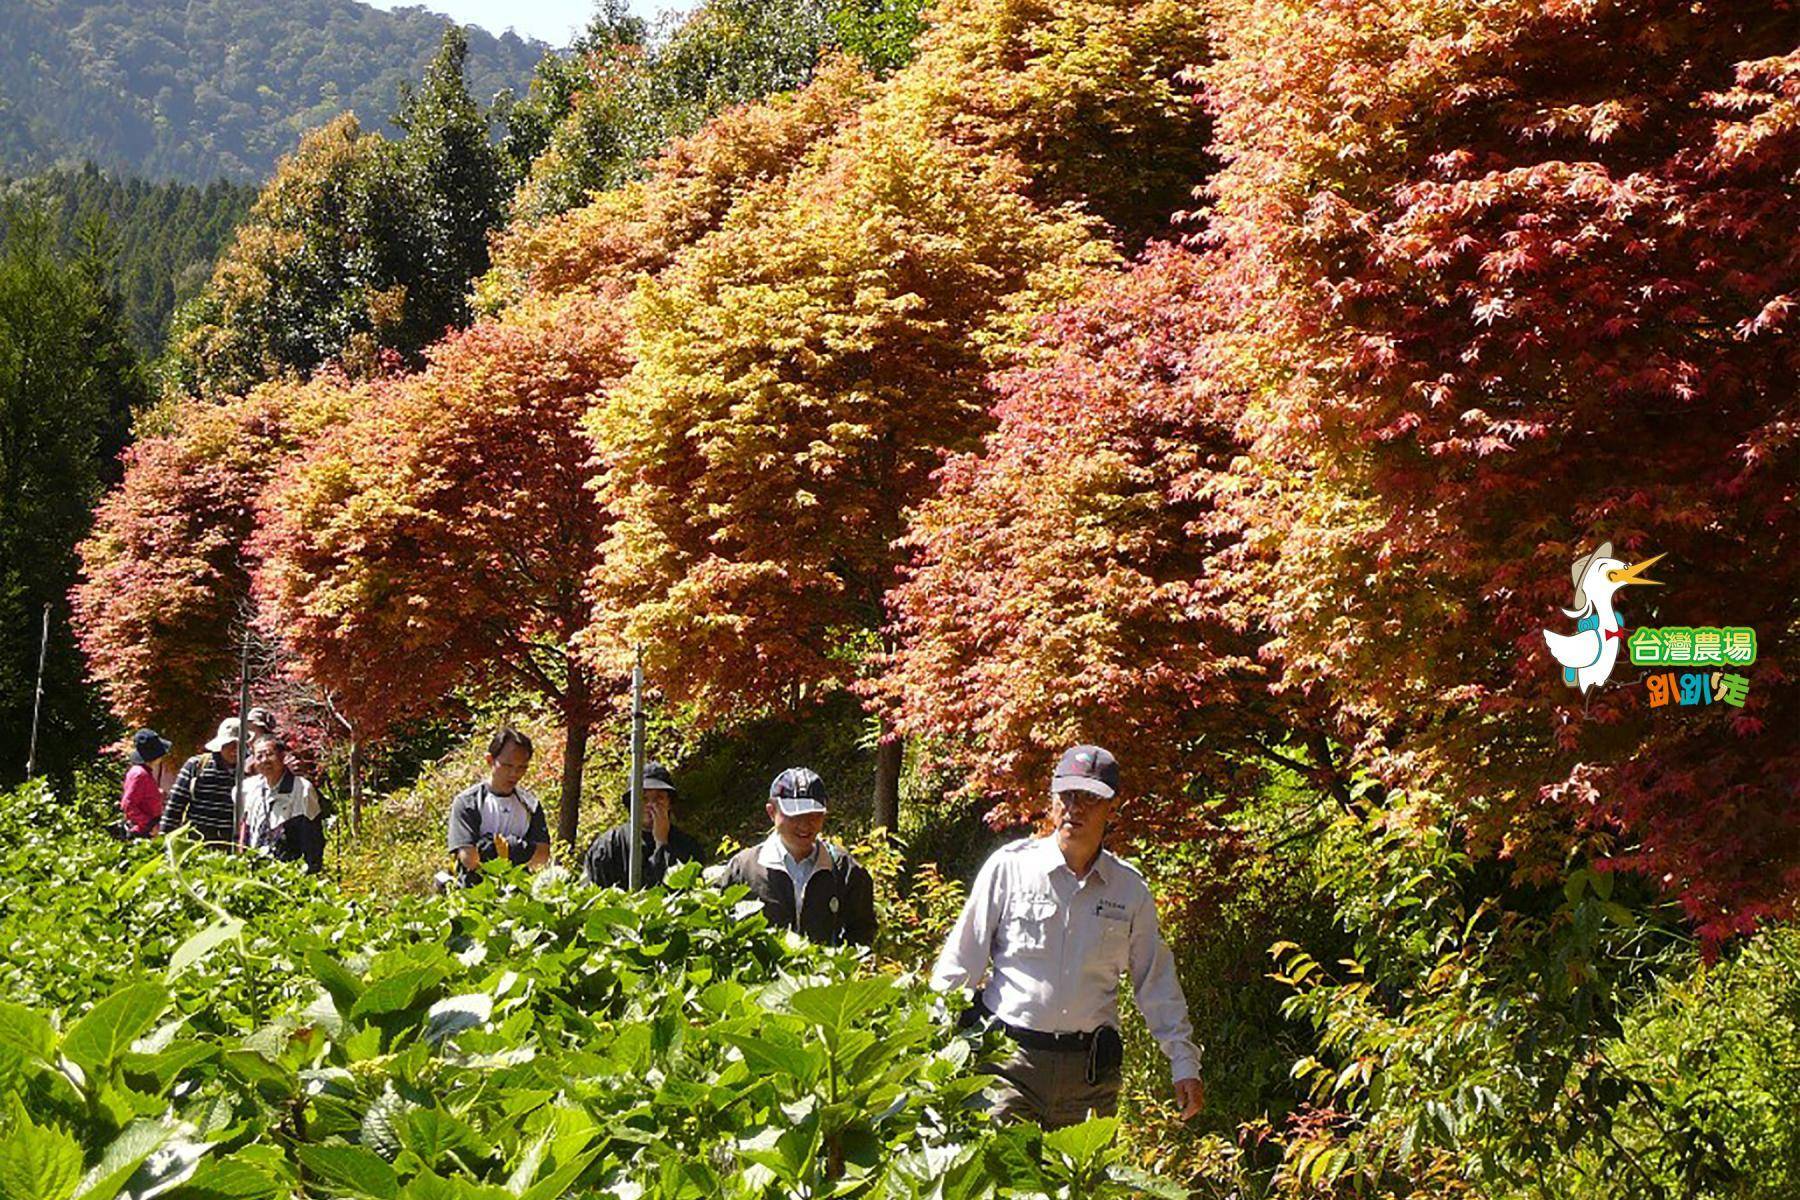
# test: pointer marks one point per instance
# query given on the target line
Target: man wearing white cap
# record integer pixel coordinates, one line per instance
(204, 792)
(805, 883)
(1050, 926)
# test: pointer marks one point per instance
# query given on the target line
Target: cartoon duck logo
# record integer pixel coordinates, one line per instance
(1587, 656)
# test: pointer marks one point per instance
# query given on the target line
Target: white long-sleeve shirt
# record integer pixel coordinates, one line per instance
(1057, 946)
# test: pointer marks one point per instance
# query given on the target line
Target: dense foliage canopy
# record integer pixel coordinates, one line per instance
(68, 383)
(358, 246)
(158, 240)
(1518, 279)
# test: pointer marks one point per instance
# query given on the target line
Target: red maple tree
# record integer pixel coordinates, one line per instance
(442, 538)
(164, 578)
(1520, 280)
(1063, 588)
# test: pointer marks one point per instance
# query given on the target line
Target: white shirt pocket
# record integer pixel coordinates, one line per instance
(1115, 943)
(1028, 927)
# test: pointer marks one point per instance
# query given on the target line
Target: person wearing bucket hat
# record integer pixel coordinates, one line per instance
(664, 845)
(205, 790)
(1050, 926)
(142, 799)
(805, 883)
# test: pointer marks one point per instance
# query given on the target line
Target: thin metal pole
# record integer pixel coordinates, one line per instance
(634, 871)
(243, 713)
(37, 702)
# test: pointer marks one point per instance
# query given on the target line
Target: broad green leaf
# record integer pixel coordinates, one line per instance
(170, 1063)
(351, 1169)
(838, 1005)
(1009, 1155)
(765, 1056)
(201, 944)
(785, 1152)
(1086, 1143)
(122, 1157)
(162, 1037)
(257, 1068)
(345, 989)
(171, 1166)
(381, 1124)
(229, 1179)
(428, 1186)
(110, 1027)
(395, 993)
(26, 1031)
(525, 1174)
(561, 1178)
(454, 1014)
(432, 1133)
(39, 1163)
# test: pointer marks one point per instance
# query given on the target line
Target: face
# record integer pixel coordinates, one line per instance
(1079, 814)
(229, 751)
(801, 833)
(655, 798)
(267, 757)
(505, 772)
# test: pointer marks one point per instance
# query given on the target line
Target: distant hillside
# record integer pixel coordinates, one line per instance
(198, 90)
(161, 238)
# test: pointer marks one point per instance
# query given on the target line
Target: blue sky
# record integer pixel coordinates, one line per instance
(553, 21)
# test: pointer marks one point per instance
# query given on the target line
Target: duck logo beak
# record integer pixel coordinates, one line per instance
(1634, 573)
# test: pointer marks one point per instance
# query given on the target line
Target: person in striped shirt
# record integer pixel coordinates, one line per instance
(203, 795)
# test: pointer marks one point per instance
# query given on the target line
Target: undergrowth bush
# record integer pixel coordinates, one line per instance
(199, 1026)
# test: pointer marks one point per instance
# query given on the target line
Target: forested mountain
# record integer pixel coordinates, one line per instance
(159, 240)
(207, 89)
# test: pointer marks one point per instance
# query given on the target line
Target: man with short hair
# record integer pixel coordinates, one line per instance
(282, 815)
(1050, 925)
(805, 883)
(204, 793)
(661, 846)
(497, 818)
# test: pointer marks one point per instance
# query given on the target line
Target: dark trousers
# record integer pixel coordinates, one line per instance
(1051, 1088)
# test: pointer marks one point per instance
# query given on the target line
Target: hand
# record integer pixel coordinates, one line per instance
(1191, 1096)
(659, 818)
(501, 849)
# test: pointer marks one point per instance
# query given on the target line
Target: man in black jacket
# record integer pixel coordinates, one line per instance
(805, 883)
(662, 845)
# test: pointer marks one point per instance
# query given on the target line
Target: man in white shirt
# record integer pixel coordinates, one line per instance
(497, 818)
(1050, 925)
(282, 816)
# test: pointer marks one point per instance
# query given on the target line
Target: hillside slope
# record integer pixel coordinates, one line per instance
(208, 89)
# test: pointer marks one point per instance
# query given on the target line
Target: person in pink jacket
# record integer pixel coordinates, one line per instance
(143, 798)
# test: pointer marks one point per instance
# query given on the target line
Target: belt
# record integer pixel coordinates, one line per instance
(1035, 1039)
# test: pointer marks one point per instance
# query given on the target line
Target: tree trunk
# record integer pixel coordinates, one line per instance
(355, 785)
(888, 754)
(576, 720)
